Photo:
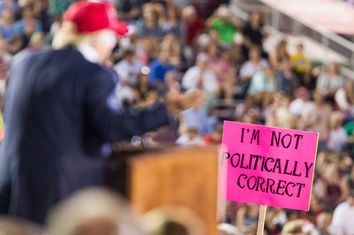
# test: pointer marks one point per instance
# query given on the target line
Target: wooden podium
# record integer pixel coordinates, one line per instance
(184, 176)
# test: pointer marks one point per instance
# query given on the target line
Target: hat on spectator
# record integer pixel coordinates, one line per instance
(92, 16)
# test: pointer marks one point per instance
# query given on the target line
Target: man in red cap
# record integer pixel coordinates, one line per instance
(60, 110)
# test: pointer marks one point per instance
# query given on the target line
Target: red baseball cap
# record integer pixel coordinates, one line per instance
(90, 16)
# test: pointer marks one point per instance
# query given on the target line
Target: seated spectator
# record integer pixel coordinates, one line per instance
(149, 26)
(337, 135)
(16, 44)
(323, 222)
(246, 219)
(302, 102)
(160, 66)
(172, 22)
(190, 137)
(341, 224)
(301, 64)
(197, 117)
(344, 98)
(215, 136)
(7, 25)
(330, 81)
(143, 88)
(253, 34)
(193, 24)
(249, 68)
(201, 77)
(8, 4)
(173, 45)
(317, 119)
(129, 68)
(275, 220)
(130, 10)
(279, 55)
(263, 81)
(37, 41)
(299, 227)
(213, 51)
(92, 211)
(28, 24)
(224, 24)
(173, 220)
(226, 74)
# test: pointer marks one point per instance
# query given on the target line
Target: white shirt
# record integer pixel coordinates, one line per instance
(89, 52)
(337, 139)
(342, 223)
(299, 107)
(248, 69)
(190, 80)
(129, 71)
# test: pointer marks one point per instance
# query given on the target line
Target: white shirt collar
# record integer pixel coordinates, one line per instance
(89, 52)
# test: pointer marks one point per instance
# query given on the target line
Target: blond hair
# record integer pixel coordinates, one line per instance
(68, 35)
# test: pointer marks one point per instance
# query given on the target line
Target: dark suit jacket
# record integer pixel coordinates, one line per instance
(58, 116)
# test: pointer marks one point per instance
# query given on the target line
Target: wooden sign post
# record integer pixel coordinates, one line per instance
(261, 219)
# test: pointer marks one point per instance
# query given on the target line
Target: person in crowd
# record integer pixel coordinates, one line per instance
(7, 24)
(201, 77)
(341, 224)
(302, 102)
(249, 68)
(337, 138)
(299, 227)
(130, 11)
(129, 68)
(279, 55)
(246, 219)
(190, 137)
(226, 74)
(169, 220)
(301, 64)
(344, 99)
(172, 21)
(173, 45)
(330, 81)
(317, 119)
(263, 81)
(224, 24)
(149, 26)
(28, 24)
(323, 222)
(37, 41)
(253, 34)
(160, 66)
(193, 24)
(93, 211)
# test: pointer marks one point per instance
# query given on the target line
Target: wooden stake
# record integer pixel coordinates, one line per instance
(261, 220)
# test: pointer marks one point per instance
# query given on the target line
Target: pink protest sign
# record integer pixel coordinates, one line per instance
(267, 165)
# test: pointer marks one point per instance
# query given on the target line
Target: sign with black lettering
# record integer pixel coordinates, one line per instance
(267, 165)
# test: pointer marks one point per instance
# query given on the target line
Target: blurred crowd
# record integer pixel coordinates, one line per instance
(173, 49)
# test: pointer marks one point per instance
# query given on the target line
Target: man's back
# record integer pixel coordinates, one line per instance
(47, 126)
